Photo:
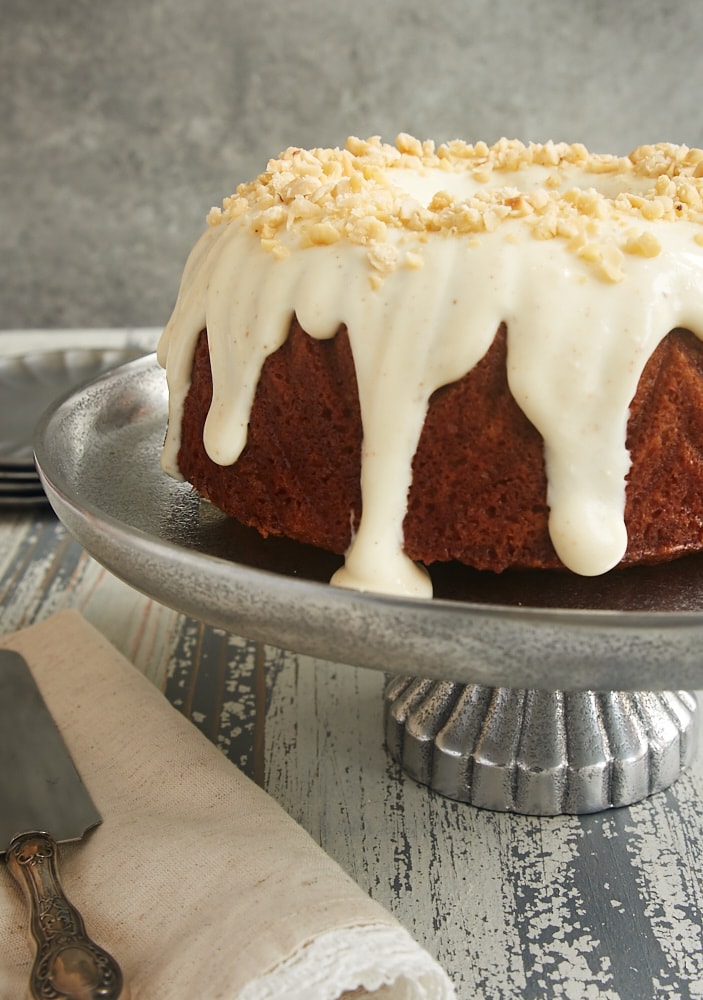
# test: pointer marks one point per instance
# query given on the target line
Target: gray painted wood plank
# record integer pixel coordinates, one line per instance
(601, 906)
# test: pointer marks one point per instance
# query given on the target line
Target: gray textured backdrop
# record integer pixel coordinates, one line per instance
(121, 123)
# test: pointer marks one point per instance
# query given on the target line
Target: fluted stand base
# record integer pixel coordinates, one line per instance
(538, 752)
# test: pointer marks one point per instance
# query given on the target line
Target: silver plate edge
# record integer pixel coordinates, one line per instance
(518, 647)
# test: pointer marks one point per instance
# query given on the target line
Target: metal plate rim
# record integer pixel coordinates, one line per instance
(130, 552)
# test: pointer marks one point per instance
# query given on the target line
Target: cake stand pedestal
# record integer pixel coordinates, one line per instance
(538, 752)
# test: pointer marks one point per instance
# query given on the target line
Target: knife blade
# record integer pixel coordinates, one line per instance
(43, 802)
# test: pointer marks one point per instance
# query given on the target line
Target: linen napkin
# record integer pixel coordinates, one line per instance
(197, 881)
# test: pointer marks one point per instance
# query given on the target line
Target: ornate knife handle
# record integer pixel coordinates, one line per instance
(68, 965)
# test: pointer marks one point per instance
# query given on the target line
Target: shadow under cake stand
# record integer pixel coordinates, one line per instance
(532, 693)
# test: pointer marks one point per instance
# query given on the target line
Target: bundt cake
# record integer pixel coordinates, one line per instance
(409, 354)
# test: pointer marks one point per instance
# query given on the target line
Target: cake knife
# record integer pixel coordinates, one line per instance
(43, 802)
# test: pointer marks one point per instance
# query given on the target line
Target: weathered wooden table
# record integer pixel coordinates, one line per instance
(607, 905)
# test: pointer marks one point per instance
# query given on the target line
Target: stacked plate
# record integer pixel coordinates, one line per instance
(35, 369)
(20, 485)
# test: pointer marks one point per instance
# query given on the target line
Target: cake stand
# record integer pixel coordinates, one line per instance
(533, 693)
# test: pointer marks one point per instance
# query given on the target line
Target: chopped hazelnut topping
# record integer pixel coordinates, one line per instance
(320, 196)
(323, 233)
(384, 257)
(414, 260)
(643, 244)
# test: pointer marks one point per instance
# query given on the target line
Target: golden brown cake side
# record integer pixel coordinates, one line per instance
(298, 475)
(479, 488)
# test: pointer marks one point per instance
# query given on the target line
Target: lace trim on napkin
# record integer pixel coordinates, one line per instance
(355, 962)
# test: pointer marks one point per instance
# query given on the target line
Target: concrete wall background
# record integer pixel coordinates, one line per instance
(121, 123)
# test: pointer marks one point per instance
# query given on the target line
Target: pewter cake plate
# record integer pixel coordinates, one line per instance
(98, 454)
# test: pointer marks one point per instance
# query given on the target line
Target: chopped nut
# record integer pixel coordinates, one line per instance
(214, 216)
(612, 263)
(320, 196)
(323, 233)
(546, 228)
(643, 245)
(383, 257)
(408, 144)
(607, 258)
(482, 175)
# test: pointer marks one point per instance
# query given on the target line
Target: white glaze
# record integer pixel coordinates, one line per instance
(577, 345)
